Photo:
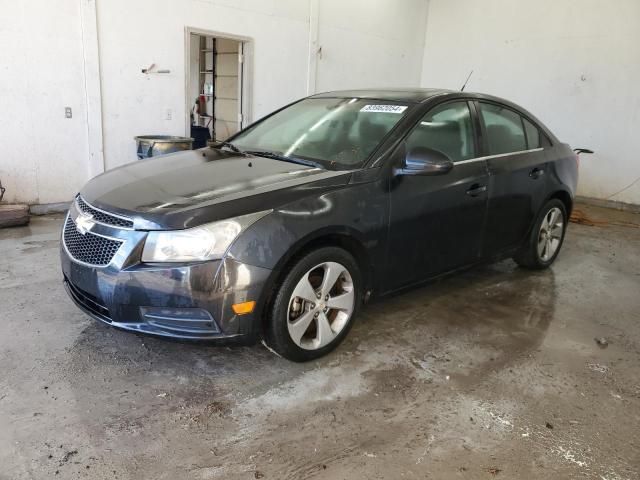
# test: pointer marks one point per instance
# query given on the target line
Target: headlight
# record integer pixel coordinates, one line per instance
(206, 242)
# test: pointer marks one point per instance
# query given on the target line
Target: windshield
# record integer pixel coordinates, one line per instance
(337, 133)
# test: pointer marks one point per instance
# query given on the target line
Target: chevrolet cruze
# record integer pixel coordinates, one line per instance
(285, 229)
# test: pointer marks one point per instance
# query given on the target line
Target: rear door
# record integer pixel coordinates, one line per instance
(436, 222)
(517, 172)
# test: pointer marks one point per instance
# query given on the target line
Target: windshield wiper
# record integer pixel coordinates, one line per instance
(268, 154)
(229, 145)
(284, 158)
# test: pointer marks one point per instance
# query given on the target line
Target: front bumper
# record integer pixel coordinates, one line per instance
(190, 301)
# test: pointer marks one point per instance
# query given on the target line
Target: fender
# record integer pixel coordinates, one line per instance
(279, 235)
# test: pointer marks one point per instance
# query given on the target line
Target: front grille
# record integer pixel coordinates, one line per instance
(89, 248)
(88, 301)
(103, 217)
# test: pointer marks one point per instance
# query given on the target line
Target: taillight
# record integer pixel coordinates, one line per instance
(577, 160)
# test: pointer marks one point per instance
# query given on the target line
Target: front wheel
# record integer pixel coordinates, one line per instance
(546, 237)
(315, 305)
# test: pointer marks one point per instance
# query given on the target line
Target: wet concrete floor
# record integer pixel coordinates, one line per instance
(493, 373)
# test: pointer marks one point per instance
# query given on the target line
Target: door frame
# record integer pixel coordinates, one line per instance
(504, 157)
(245, 79)
(391, 161)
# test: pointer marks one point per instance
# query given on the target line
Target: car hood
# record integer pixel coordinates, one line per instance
(190, 188)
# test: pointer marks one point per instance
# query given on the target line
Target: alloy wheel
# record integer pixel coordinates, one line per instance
(320, 306)
(550, 234)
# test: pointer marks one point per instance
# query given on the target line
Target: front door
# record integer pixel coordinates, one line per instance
(516, 162)
(437, 222)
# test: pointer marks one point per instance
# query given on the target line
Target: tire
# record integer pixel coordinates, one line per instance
(534, 254)
(293, 306)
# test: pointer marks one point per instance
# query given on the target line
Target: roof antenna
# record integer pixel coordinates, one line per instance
(466, 81)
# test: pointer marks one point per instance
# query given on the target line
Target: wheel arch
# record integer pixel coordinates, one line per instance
(564, 197)
(345, 238)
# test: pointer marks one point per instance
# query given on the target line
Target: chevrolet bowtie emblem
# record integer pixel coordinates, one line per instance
(84, 223)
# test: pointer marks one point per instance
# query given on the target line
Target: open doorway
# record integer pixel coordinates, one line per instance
(216, 86)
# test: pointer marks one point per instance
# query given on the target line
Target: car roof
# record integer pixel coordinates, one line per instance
(421, 95)
(412, 95)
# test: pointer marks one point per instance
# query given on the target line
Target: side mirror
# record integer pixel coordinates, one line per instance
(425, 161)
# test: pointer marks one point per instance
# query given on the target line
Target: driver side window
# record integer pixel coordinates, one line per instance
(446, 128)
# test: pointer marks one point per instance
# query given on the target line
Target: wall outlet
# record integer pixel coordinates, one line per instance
(168, 113)
(67, 112)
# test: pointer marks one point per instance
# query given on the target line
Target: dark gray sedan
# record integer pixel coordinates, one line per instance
(287, 228)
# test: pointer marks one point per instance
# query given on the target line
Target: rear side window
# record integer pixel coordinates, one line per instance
(505, 132)
(448, 129)
(533, 134)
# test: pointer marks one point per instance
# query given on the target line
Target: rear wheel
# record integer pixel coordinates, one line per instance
(546, 237)
(315, 305)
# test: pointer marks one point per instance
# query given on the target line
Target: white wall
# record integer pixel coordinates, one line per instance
(135, 34)
(54, 56)
(574, 63)
(44, 157)
(364, 43)
(370, 43)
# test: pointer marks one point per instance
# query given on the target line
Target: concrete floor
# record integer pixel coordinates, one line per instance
(494, 372)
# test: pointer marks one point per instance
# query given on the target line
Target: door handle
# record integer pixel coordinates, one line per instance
(476, 189)
(536, 173)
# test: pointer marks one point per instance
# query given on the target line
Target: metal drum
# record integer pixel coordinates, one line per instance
(155, 145)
